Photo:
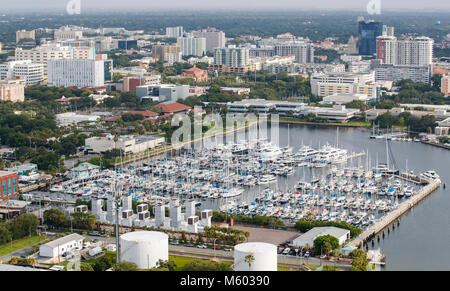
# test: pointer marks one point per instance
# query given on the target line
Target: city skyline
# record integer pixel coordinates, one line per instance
(105, 5)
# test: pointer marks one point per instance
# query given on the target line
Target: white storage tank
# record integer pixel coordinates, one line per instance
(144, 248)
(264, 254)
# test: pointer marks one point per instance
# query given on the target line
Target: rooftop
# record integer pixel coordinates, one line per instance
(64, 240)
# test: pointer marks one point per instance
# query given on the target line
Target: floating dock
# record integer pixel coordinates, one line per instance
(396, 213)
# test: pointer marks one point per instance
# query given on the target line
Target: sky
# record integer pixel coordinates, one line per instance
(122, 5)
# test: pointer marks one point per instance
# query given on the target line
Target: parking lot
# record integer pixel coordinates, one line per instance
(273, 236)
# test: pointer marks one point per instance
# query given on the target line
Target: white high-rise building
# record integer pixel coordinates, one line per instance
(44, 53)
(231, 57)
(214, 38)
(78, 73)
(174, 32)
(416, 51)
(192, 46)
(32, 73)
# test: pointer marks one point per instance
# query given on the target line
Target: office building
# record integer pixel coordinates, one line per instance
(367, 36)
(9, 188)
(394, 73)
(65, 33)
(76, 73)
(31, 73)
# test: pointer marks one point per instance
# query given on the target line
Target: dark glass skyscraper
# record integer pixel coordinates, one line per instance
(367, 36)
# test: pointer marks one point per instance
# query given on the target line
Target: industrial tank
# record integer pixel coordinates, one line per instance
(144, 248)
(264, 254)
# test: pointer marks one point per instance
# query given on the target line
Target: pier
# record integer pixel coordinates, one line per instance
(396, 213)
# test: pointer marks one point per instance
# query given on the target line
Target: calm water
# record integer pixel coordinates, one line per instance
(421, 242)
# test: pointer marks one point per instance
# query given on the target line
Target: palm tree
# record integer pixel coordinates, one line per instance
(249, 259)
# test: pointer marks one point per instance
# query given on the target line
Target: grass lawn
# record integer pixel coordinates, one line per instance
(181, 261)
(20, 244)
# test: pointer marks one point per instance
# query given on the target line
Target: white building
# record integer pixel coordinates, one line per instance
(340, 99)
(12, 90)
(303, 51)
(174, 32)
(64, 34)
(417, 51)
(42, 54)
(214, 38)
(78, 73)
(308, 238)
(32, 73)
(192, 46)
(231, 57)
(134, 144)
(72, 118)
(57, 247)
(326, 84)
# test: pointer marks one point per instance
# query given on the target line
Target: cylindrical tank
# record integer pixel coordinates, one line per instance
(144, 248)
(264, 257)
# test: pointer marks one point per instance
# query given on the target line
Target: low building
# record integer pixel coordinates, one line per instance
(59, 246)
(69, 118)
(173, 108)
(9, 185)
(234, 90)
(164, 92)
(344, 98)
(127, 144)
(23, 168)
(12, 208)
(308, 238)
(84, 170)
(197, 74)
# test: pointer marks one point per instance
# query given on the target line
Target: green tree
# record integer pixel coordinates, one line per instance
(360, 261)
(125, 266)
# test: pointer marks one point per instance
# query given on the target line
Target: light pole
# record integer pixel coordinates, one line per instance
(214, 247)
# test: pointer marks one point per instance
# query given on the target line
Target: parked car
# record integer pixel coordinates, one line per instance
(188, 245)
(286, 251)
(175, 242)
(306, 255)
(227, 249)
(202, 247)
(280, 251)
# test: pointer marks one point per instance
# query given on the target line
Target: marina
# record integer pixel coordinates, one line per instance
(284, 184)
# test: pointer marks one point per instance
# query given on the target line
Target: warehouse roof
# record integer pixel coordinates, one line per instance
(64, 240)
(320, 231)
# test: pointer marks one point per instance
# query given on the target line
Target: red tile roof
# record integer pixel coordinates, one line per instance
(172, 107)
(143, 113)
(113, 118)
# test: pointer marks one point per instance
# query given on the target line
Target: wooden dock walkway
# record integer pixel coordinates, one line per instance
(396, 213)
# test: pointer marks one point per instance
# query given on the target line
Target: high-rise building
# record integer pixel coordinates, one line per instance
(407, 58)
(63, 34)
(303, 51)
(174, 32)
(214, 38)
(192, 46)
(76, 73)
(231, 57)
(167, 53)
(31, 73)
(367, 36)
(9, 185)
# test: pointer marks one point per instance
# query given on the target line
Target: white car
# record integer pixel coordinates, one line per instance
(202, 247)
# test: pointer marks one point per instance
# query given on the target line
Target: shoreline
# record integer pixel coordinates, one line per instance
(322, 123)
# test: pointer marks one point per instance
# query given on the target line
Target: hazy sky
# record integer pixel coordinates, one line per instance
(91, 5)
